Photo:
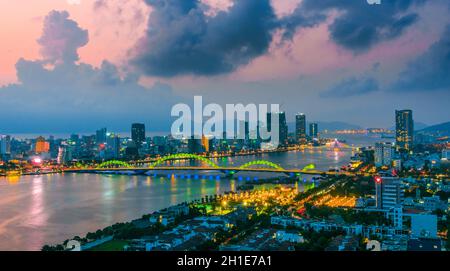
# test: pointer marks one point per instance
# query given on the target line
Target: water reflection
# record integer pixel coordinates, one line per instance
(52, 208)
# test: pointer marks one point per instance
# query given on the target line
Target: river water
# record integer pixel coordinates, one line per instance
(48, 209)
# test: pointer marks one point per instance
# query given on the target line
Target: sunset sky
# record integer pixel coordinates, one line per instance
(78, 65)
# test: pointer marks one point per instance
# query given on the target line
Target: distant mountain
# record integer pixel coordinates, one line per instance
(417, 126)
(330, 126)
(442, 129)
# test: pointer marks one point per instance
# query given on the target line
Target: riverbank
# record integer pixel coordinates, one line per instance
(49, 208)
(214, 207)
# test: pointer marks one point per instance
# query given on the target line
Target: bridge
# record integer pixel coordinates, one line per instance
(328, 146)
(207, 164)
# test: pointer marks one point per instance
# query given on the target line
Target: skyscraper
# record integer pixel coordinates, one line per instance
(282, 127)
(313, 130)
(195, 145)
(138, 133)
(5, 145)
(100, 137)
(404, 129)
(205, 143)
(300, 127)
(64, 154)
(113, 146)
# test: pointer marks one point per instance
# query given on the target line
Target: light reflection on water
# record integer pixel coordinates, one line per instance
(37, 210)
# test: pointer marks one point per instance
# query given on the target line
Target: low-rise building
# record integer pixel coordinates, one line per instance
(433, 203)
(424, 225)
(289, 236)
(424, 244)
(349, 229)
(343, 243)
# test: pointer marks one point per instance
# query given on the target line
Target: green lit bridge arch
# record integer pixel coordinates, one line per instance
(180, 156)
(208, 164)
(261, 163)
(114, 163)
(267, 164)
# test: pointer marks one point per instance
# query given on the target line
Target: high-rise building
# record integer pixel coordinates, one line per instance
(41, 146)
(5, 145)
(131, 152)
(112, 146)
(205, 143)
(282, 127)
(314, 130)
(300, 127)
(388, 192)
(64, 154)
(138, 133)
(404, 129)
(194, 145)
(383, 154)
(243, 130)
(100, 137)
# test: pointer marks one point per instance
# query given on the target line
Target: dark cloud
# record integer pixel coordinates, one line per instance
(429, 71)
(358, 26)
(182, 39)
(351, 87)
(61, 38)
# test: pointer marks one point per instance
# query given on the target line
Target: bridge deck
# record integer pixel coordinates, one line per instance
(222, 169)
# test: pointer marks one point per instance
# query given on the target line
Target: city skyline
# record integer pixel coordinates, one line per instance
(114, 68)
(203, 127)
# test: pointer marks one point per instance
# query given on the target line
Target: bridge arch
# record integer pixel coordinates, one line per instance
(261, 162)
(309, 167)
(108, 164)
(179, 156)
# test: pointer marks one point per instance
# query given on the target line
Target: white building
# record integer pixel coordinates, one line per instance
(389, 192)
(285, 236)
(383, 154)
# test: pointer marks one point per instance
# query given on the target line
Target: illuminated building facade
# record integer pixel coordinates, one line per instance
(383, 154)
(112, 146)
(388, 192)
(205, 143)
(313, 130)
(42, 146)
(100, 136)
(5, 145)
(300, 127)
(64, 154)
(138, 133)
(404, 129)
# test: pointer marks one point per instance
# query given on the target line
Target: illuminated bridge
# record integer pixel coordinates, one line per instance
(207, 164)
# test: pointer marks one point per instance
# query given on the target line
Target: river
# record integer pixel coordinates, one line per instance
(48, 209)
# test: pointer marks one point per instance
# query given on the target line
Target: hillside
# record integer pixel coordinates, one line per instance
(442, 129)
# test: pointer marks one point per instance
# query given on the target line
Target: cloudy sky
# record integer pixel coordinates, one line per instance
(77, 65)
